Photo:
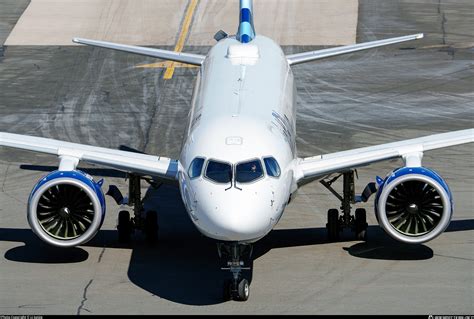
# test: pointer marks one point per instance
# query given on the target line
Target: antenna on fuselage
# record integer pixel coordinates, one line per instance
(221, 34)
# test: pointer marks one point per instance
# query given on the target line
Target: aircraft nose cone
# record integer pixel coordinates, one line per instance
(245, 222)
(238, 217)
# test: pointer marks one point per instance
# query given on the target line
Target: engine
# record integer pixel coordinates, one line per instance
(413, 204)
(66, 208)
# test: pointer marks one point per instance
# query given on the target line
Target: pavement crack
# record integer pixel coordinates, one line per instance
(28, 306)
(84, 299)
(101, 254)
(154, 113)
(454, 257)
(5, 178)
(443, 21)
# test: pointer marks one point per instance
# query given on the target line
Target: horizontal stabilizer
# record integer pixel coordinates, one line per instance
(326, 53)
(189, 58)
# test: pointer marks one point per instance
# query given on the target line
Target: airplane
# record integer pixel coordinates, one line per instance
(238, 167)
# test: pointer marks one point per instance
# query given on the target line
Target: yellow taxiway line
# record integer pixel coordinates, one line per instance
(169, 65)
(166, 64)
(182, 37)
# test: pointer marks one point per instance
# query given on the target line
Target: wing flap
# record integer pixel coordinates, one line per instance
(122, 160)
(321, 165)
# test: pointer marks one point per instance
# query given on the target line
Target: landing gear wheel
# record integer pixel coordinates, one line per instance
(333, 225)
(124, 227)
(227, 293)
(151, 226)
(360, 224)
(243, 290)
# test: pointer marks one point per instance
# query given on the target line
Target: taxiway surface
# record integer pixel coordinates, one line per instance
(100, 97)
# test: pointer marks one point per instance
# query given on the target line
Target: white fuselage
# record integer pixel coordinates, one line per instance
(243, 108)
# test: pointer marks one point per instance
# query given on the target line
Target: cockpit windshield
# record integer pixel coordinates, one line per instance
(273, 169)
(243, 172)
(248, 171)
(219, 172)
(195, 168)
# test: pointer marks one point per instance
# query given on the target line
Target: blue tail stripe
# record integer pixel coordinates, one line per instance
(245, 38)
(245, 15)
(246, 31)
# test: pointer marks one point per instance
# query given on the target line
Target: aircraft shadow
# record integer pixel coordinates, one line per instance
(35, 251)
(183, 266)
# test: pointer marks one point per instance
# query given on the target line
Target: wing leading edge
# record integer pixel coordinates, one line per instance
(326, 53)
(189, 58)
(310, 168)
(122, 160)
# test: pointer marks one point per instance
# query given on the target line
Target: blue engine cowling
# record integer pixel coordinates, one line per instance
(413, 204)
(66, 208)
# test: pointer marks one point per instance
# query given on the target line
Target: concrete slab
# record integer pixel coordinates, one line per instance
(56, 22)
(9, 15)
(288, 22)
(158, 22)
(98, 97)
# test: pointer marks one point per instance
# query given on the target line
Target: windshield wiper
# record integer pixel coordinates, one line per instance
(230, 179)
(233, 182)
(235, 185)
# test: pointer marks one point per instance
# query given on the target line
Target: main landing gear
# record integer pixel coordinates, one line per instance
(147, 222)
(237, 288)
(338, 221)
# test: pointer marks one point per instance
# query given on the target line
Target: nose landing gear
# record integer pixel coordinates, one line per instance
(237, 288)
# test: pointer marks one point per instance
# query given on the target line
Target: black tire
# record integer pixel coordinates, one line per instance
(361, 224)
(124, 227)
(151, 226)
(333, 225)
(227, 293)
(243, 290)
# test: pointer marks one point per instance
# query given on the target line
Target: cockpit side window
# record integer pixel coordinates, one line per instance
(219, 172)
(195, 168)
(272, 167)
(247, 172)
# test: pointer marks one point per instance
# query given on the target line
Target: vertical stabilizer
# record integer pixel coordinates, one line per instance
(246, 31)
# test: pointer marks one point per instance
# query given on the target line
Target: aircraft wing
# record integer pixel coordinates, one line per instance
(325, 53)
(189, 58)
(121, 160)
(311, 168)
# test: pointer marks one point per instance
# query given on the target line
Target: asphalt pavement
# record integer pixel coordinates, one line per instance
(100, 97)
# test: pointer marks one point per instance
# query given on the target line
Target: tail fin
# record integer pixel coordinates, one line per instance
(246, 31)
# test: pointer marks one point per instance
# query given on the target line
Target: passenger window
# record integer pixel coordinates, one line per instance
(195, 168)
(248, 171)
(219, 172)
(272, 167)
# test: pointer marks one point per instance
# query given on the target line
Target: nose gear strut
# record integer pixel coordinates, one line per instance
(236, 288)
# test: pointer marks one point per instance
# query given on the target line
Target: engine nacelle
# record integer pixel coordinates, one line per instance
(66, 208)
(413, 204)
